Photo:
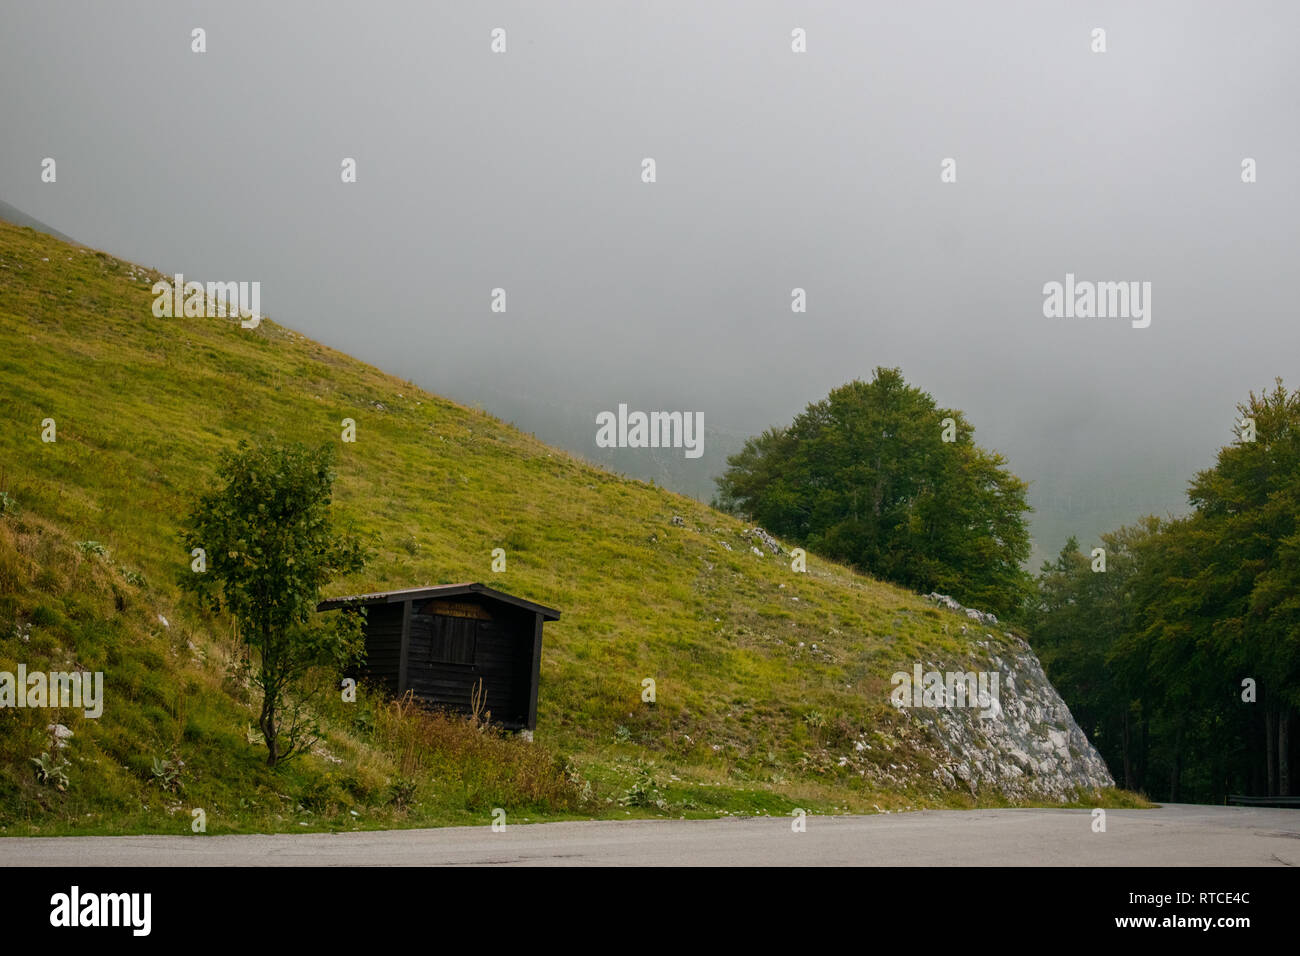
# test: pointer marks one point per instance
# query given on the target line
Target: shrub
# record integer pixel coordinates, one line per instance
(43, 616)
(401, 792)
(167, 774)
(644, 791)
(53, 771)
(92, 547)
(318, 796)
(132, 576)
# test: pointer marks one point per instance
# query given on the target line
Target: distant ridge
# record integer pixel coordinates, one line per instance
(20, 218)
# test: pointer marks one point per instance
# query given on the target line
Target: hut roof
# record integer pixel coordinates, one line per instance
(438, 591)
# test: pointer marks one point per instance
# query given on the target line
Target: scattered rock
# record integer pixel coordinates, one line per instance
(984, 617)
(765, 539)
(60, 733)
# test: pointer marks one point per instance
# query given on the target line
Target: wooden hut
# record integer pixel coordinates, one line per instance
(439, 642)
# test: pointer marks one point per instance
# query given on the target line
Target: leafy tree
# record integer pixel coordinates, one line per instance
(864, 476)
(1080, 620)
(1248, 512)
(1188, 609)
(271, 546)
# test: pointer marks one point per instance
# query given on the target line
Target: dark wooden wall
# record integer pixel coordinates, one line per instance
(452, 644)
(384, 645)
(501, 642)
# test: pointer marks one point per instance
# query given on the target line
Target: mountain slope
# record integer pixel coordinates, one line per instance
(772, 687)
(16, 216)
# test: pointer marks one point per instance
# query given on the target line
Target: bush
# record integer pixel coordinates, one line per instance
(44, 616)
(167, 774)
(645, 790)
(401, 792)
(318, 796)
(53, 771)
(132, 576)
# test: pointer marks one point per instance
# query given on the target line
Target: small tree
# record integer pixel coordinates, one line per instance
(270, 547)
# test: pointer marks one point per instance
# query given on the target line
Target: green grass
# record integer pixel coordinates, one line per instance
(750, 717)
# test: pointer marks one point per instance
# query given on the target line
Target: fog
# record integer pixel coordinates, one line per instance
(775, 170)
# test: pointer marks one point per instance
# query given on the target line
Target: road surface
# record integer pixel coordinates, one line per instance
(1173, 835)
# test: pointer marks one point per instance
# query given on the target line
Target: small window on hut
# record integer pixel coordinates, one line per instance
(453, 640)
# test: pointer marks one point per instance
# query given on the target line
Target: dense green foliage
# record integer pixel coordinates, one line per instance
(1157, 656)
(865, 476)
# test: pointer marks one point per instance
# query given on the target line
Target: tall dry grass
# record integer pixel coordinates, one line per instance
(494, 767)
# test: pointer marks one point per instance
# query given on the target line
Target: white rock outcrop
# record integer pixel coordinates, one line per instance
(1029, 745)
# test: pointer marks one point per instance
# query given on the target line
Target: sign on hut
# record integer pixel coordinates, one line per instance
(441, 642)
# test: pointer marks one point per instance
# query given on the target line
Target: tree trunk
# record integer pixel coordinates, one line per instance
(271, 668)
(269, 729)
(1142, 752)
(1176, 770)
(1270, 745)
(1283, 752)
(1258, 784)
(1128, 761)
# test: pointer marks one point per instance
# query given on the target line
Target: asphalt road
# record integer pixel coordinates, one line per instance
(1174, 835)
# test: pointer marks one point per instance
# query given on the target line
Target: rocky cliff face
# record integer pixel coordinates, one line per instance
(1023, 743)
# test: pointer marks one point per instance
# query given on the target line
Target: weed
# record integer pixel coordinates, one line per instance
(167, 774)
(401, 792)
(53, 771)
(645, 790)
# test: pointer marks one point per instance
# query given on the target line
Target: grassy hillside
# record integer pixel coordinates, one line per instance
(772, 687)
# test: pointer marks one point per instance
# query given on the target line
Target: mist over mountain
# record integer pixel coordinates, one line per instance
(19, 218)
(776, 171)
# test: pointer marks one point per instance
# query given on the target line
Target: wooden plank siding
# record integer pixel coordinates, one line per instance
(533, 661)
(493, 658)
(384, 645)
(440, 642)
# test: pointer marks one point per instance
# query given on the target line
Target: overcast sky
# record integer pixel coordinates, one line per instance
(775, 170)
